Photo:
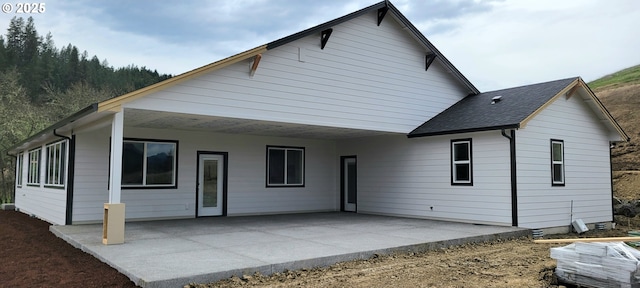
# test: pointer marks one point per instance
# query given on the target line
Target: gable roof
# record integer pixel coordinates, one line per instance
(514, 108)
(382, 8)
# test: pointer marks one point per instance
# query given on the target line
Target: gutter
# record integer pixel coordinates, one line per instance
(412, 134)
(514, 179)
(613, 208)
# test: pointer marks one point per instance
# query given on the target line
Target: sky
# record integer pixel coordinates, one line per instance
(495, 43)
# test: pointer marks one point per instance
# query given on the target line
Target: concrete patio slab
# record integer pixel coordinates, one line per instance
(174, 253)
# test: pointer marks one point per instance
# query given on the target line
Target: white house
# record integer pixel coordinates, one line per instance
(360, 114)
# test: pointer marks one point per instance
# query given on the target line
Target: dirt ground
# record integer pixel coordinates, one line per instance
(506, 263)
(626, 185)
(31, 256)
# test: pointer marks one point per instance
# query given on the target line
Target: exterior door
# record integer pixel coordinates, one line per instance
(211, 184)
(349, 183)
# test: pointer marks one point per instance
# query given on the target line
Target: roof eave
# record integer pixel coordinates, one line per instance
(623, 135)
(461, 131)
(115, 103)
(74, 117)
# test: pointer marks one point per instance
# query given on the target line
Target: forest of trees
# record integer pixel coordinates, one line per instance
(41, 84)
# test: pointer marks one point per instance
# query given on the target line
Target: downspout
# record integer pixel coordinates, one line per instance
(514, 184)
(70, 176)
(611, 146)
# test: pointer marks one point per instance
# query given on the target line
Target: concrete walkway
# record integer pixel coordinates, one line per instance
(174, 253)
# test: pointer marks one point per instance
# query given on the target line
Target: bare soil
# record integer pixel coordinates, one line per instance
(624, 105)
(626, 185)
(505, 263)
(31, 256)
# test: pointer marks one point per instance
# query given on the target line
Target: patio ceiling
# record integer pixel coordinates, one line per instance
(167, 120)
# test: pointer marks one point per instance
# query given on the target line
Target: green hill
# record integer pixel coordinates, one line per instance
(623, 77)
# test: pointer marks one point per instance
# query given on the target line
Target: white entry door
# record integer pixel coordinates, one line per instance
(349, 184)
(210, 184)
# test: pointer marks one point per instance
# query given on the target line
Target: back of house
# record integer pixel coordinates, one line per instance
(359, 114)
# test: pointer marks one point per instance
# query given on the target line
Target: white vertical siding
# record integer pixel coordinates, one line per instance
(367, 77)
(407, 177)
(246, 176)
(587, 167)
(46, 203)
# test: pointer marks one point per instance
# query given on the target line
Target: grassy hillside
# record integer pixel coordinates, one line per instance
(620, 93)
(623, 77)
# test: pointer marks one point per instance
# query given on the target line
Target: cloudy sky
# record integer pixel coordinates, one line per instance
(496, 44)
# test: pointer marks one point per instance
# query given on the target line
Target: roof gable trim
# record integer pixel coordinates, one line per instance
(568, 92)
(116, 102)
(564, 91)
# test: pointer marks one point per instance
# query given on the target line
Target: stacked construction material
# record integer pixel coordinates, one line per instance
(598, 264)
(634, 234)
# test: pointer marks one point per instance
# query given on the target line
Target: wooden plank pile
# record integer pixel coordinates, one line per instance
(598, 264)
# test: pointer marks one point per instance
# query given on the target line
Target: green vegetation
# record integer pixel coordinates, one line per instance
(627, 76)
(41, 84)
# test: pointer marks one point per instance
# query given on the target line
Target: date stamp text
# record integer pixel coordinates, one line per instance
(24, 8)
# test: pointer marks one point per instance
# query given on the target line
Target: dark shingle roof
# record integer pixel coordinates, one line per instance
(476, 113)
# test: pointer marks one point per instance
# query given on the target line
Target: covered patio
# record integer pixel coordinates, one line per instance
(174, 253)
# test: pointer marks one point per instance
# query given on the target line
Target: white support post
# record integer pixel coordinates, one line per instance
(115, 179)
(114, 214)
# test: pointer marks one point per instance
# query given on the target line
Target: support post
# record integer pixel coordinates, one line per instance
(114, 215)
(115, 175)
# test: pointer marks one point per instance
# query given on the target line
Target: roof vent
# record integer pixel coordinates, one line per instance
(495, 99)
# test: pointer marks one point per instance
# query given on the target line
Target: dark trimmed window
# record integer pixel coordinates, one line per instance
(557, 162)
(149, 163)
(56, 164)
(285, 166)
(461, 162)
(19, 165)
(33, 174)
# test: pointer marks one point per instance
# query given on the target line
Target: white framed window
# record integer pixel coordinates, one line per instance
(56, 155)
(557, 162)
(19, 165)
(461, 162)
(33, 172)
(149, 164)
(285, 166)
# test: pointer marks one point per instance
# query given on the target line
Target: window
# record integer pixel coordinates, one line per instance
(33, 174)
(557, 162)
(19, 164)
(285, 166)
(56, 159)
(461, 167)
(149, 163)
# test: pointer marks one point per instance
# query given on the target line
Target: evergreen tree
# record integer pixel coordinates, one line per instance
(41, 84)
(14, 40)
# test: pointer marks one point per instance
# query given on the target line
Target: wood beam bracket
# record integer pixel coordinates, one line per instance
(429, 59)
(324, 37)
(254, 65)
(381, 13)
(572, 91)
